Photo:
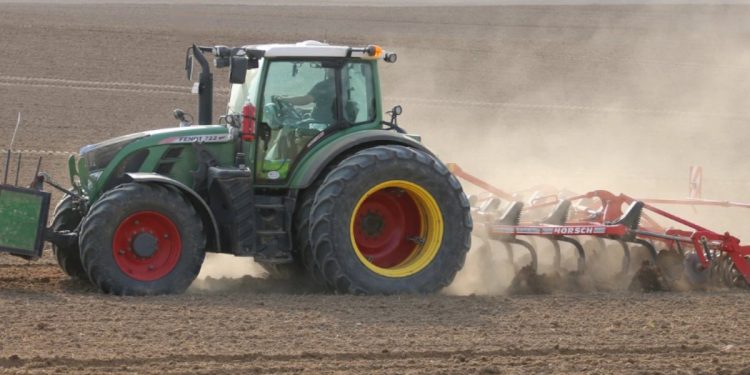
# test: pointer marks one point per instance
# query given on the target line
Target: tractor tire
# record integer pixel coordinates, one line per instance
(387, 220)
(142, 239)
(68, 257)
(301, 235)
(303, 264)
(303, 269)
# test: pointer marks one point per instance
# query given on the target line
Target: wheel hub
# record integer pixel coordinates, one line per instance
(372, 224)
(145, 244)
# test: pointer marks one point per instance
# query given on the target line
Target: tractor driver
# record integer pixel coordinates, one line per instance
(323, 94)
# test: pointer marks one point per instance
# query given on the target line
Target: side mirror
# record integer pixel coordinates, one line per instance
(182, 117)
(238, 65)
(397, 110)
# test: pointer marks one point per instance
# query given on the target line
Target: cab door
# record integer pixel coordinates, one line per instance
(299, 100)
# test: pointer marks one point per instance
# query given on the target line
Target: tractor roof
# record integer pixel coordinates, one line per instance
(312, 48)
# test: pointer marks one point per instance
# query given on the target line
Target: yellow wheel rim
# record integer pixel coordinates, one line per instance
(396, 228)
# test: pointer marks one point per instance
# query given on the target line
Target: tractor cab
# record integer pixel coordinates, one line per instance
(290, 96)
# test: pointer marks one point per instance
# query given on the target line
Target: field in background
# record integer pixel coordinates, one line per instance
(583, 97)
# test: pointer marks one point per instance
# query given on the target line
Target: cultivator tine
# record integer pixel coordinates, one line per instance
(649, 246)
(679, 248)
(625, 258)
(532, 252)
(579, 251)
(512, 216)
(650, 276)
(558, 216)
(557, 260)
(509, 253)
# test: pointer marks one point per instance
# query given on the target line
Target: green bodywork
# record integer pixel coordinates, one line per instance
(299, 150)
(160, 147)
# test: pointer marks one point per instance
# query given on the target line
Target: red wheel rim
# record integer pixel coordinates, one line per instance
(385, 226)
(147, 246)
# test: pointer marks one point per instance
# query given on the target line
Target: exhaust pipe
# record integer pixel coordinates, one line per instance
(205, 85)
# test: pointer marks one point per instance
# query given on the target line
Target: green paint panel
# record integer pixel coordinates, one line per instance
(20, 213)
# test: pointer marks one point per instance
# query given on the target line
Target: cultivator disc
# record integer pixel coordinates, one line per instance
(613, 238)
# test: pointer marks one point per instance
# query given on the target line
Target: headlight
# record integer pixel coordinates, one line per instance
(99, 155)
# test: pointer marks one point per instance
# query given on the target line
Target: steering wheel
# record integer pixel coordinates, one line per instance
(287, 109)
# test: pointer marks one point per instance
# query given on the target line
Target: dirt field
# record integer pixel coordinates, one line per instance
(619, 97)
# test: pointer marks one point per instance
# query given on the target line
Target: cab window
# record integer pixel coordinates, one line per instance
(359, 93)
(299, 101)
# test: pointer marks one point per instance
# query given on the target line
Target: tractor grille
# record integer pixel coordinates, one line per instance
(168, 160)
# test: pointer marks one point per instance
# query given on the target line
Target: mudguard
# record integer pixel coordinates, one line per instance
(316, 161)
(198, 202)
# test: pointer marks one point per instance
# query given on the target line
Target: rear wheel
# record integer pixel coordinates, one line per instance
(302, 244)
(142, 239)
(390, 219)
(304, 268)
(68, 257)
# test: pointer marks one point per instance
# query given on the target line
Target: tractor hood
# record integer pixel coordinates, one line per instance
(99, 155)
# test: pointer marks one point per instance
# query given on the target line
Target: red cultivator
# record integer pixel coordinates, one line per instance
(693, 256)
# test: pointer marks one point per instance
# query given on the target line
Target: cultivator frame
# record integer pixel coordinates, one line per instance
(599, 214)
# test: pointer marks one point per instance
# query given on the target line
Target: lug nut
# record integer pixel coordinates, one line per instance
(136, 222)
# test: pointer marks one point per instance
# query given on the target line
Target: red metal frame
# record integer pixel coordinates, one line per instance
(599, 219)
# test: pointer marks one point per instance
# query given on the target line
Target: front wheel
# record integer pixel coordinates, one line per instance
(390, 219)
(66, 217)
(142, 239)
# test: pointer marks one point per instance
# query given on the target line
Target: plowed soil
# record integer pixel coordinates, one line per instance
(623, 97)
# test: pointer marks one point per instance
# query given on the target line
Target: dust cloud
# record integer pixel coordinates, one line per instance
(219, 270)
(625, 100)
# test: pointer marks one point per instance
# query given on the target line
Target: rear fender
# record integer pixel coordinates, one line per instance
(209, 221)
(318, 160)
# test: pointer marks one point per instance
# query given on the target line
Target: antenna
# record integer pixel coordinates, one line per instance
(13, 139)
(10, 151)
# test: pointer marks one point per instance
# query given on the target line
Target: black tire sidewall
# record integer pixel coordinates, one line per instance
(428, 173)
(100, 263)
(68, 257)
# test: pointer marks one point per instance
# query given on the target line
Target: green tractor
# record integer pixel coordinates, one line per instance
(302, 174)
